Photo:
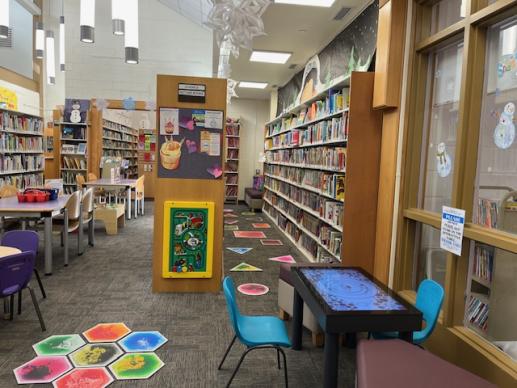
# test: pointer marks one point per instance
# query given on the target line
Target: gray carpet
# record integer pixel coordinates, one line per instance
(112, 282)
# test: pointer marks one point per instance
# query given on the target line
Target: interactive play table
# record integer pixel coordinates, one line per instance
(127, 184)
(10, 207)
(347, 300)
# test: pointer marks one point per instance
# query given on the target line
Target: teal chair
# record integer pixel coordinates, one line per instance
(429, 299)
(255, 332)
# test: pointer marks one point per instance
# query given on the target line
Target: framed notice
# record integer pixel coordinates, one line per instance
(190, 143)
(188, 238)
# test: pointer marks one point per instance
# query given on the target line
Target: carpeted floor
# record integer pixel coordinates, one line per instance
(112, 283)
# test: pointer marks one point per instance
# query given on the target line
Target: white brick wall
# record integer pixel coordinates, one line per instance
(169, 44)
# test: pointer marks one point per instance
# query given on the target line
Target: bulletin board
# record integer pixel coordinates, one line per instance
(190, 143)
(188, 238)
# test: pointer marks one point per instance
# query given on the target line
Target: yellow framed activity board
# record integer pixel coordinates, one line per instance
(188, 238)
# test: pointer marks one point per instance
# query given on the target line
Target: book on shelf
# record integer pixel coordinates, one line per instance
(487, 212)
(15, 143)
(23, 180)
(18, 163)
(74, 163)
(477, 313)
(73, 133)
(324, 157)
(483, 263)
(12, 121)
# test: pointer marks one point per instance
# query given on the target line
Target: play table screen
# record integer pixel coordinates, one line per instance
(349, 290)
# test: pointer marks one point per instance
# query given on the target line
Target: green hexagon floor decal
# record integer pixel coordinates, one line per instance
(58, 345)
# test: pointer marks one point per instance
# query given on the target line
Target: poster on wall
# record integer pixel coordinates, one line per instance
(188, 237)
(76, 110)
(8, 99)
(190, 143)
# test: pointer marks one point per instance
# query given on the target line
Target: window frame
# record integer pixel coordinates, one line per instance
(472, 30)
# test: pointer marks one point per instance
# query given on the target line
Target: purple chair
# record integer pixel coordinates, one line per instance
(15, 274)
(24, 240)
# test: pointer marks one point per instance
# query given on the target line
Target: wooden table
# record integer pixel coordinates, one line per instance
(347, 300)
(10, 207)
(127, 184)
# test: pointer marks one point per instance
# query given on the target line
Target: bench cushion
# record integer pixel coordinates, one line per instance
(396, 363)
(254, 194)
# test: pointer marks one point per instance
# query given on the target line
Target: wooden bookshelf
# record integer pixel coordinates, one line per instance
(73, 152)
(22, 159)
(119, 140)
(321, 173)
(231, 162)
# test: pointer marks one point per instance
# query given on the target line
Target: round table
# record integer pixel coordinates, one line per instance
(8, 251)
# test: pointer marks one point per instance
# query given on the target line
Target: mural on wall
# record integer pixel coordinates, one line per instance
(352, 50)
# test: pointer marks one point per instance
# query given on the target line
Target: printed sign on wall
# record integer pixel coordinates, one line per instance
(451, 232)
(190, 143)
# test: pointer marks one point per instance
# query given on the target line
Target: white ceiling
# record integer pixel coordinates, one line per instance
(302, 30)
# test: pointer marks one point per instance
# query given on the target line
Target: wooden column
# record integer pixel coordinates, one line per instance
(188, 189)
(388, 80)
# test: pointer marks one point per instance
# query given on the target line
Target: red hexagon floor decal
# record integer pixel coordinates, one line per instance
(106, 332)
(84, 378)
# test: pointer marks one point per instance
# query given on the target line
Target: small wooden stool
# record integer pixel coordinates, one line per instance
(112, 216)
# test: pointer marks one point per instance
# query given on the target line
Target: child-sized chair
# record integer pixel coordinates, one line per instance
(255, 332)
(429, 299)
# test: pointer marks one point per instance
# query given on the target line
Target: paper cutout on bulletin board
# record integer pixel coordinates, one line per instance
(443, 161)
(188, 147)
(129, 103)
(76, 110)
(504, 133)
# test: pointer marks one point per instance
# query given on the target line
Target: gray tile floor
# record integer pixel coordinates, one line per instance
(112, 282)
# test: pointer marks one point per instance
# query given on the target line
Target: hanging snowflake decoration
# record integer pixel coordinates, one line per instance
(230, 90)
(101, 104)
(150, 105)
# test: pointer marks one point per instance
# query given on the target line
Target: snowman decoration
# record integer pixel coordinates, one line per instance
(75, 114)
(504, 133)
(443, 161)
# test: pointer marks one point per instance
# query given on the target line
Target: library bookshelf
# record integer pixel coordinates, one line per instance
(22, 159)
(119, 140)
(322, 170)
(231, 162)
(73, 141)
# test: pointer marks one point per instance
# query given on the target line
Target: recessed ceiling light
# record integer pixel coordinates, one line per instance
(269, 56)
(313, 3)
(252, 85)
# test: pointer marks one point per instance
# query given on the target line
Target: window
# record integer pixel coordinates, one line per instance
(490, 309)
(447, 12)
(496, 190)
(443, 86)
(430, 260)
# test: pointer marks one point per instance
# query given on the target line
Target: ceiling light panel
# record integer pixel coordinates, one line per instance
(312, 3)
(269, 57)
(252, 85)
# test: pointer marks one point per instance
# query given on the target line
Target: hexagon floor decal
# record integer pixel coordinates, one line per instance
(58, 345)
(84, 378)
(136, 366)
(97, 354)
(42, 369)
(142, 341)
(106, 332)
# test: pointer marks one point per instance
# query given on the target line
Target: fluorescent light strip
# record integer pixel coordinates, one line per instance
(269, 56)
(312, 3)
(252, 85)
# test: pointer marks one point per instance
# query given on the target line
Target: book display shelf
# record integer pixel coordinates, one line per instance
(318, 157)
(119, 140)
(73, 140)
(231, 163)
(22, 161)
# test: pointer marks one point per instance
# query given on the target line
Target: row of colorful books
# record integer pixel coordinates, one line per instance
(119, 154)
(232, 128)
(323, 157)
(69, 177)
(232, 178)
(331, 239)
(108, 124)
(74, 163)
(231, 166)
(14, 143)
(334, 102)
(324, 131)
(483, 263)
(487, 212)
(231, 191)
(232, 154)
(16, 163)
(118, 136)
(233, 142)
(22, 181)
(477, 313)
(11, 121)
(117, 144)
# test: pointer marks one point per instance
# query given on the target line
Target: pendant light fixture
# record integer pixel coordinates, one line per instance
(87, 21)
(62, 43)
(50, 58)
(40, 40)
(4, 19)
(131, 33)
(117, 17)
